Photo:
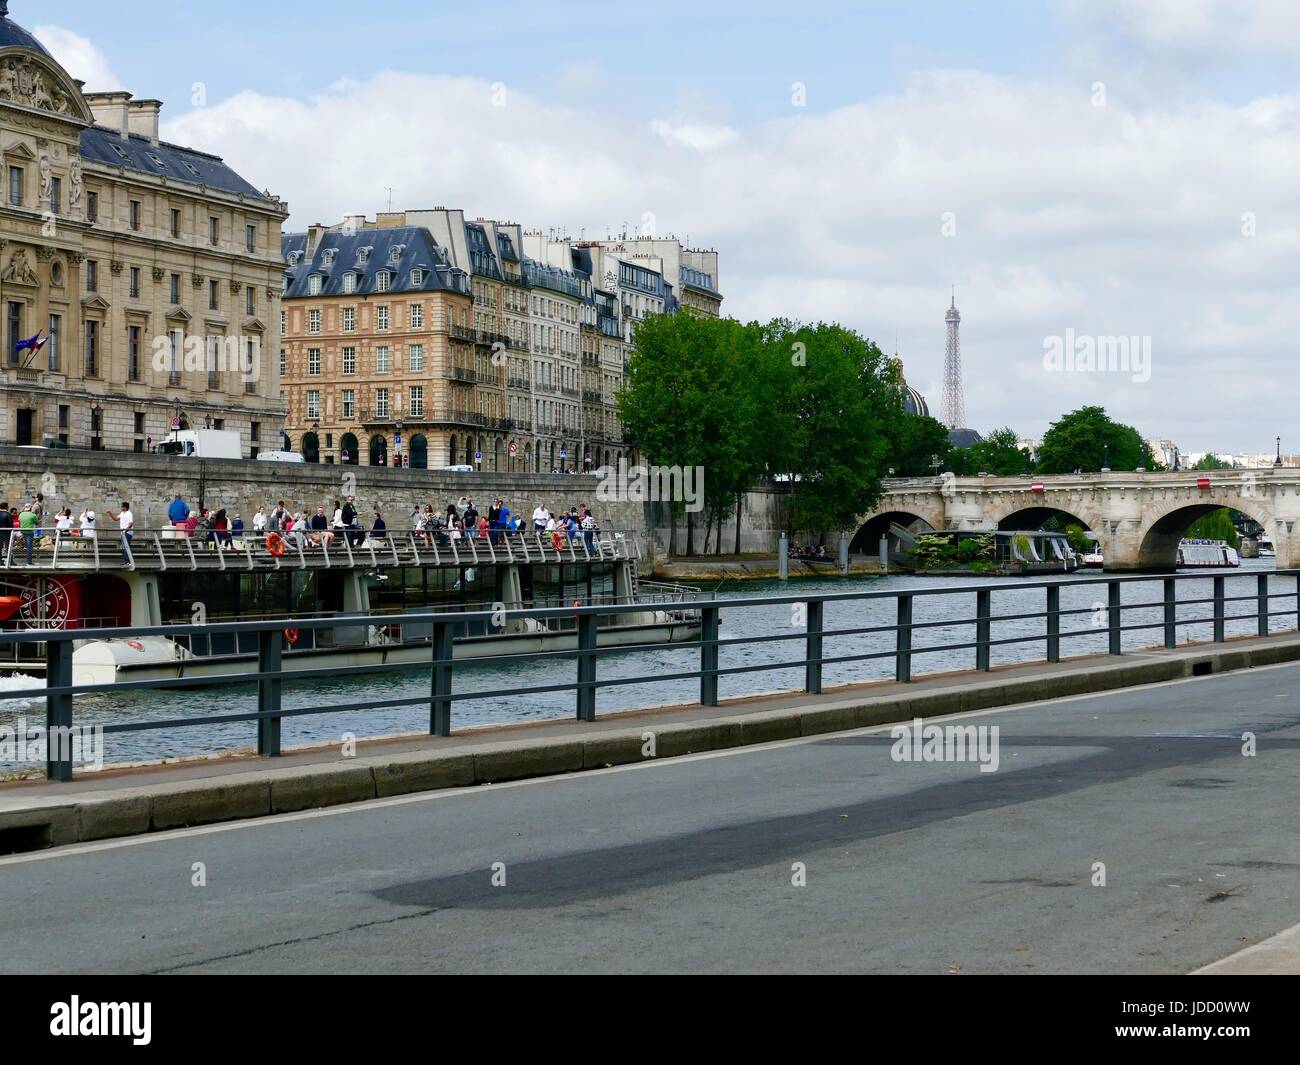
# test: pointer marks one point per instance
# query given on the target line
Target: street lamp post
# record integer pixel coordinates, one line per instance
(1277, 462)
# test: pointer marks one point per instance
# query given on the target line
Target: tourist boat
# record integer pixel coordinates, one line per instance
(1092, 560)
(1206, 554)
(84, 583)
(1266, 548)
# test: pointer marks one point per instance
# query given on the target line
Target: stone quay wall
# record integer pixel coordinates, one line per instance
(103, 479)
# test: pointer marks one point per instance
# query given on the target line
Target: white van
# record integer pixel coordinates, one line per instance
(201, 444)
(458, 469)
(279, 456)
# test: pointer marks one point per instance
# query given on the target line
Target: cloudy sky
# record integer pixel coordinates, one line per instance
(1082, 168)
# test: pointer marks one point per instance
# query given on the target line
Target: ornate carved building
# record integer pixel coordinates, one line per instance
(148, 274)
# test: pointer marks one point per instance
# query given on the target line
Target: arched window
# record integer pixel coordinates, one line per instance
(349, 450)
(419, 452)
(379, 451)
(451, 451)
(311, 447)
(496, 455)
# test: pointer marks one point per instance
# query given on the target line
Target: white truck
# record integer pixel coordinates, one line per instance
(201, 444)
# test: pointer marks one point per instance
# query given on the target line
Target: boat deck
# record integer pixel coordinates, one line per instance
(168, 549)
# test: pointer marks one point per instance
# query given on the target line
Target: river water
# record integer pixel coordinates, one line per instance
(949, 614)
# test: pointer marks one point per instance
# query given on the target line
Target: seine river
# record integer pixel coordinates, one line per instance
(947, 611)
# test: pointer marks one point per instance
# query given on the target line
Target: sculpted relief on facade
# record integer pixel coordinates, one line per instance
(24, 82)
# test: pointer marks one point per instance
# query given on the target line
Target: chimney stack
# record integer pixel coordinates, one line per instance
(111, 110)
(142, 118)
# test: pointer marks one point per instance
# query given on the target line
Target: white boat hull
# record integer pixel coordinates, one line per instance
(158, 658)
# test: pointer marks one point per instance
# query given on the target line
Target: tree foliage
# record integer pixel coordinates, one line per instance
(1088, 440)
(998, 454)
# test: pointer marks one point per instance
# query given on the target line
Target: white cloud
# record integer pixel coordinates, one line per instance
(78, 57)
(1125, 219)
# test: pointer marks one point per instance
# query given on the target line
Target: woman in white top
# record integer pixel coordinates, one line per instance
(259, 521)
(88, 524)
(63, 523)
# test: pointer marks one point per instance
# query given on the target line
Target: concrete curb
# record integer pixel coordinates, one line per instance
(260, 792)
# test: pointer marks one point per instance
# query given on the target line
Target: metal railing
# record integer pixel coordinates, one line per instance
(170, 548)
(810, 634)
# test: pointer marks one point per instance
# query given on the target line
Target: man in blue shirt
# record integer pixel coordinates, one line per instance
(179, 510)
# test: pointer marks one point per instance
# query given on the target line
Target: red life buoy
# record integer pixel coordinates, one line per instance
(557, 541)
(292, 636)
(275, 544)
(135, 645)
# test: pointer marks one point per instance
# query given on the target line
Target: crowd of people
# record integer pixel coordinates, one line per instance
(306, 526)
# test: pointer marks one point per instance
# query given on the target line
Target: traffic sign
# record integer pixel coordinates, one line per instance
(176, 423)
(563, 454)
(514, 449)
(478, 456)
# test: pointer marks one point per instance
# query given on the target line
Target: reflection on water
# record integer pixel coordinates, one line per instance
(951, 616)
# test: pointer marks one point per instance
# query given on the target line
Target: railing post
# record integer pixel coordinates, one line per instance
(1053, 622)
(1171, 613)
(1218, 610)
(983, 627)
(709, 656)
(440, 682)
(1114, 614)
(1261, 601)
(58, 710)
(269, 692)
(587, 666)
(903, 640)
(813, 671)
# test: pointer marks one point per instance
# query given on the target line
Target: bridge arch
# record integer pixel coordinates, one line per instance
(867, 539)
(1035, 517)
(1160, 536)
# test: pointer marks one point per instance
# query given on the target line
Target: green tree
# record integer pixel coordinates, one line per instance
(916, 440)
(1087, 439)
(845, 410)
(1217, 525)
(999, 454)
(1211, 462)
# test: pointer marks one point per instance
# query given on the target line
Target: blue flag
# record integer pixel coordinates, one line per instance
(32, 343)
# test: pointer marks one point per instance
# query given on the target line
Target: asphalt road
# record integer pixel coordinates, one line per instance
(686, 865)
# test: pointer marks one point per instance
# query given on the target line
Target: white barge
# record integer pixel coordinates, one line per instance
(86, 584)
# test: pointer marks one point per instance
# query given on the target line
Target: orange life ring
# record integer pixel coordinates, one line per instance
(275, 544)
(292, 636)
(557, 541)
(135, 645)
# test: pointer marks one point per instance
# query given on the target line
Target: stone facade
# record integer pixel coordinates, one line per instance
(152, 271)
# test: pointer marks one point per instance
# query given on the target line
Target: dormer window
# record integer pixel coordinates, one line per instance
(313, 285)
(349, 282)
(363, 256)
(417, 278)
(157, 161)
(118, 148)
(329, 256)
(286, 281)
(395, 253)
(191, 169)
(381, 281)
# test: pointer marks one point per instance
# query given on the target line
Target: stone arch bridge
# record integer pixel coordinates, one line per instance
(1138, 517)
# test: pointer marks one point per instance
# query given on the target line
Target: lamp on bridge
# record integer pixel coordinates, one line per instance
(1277, 462)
